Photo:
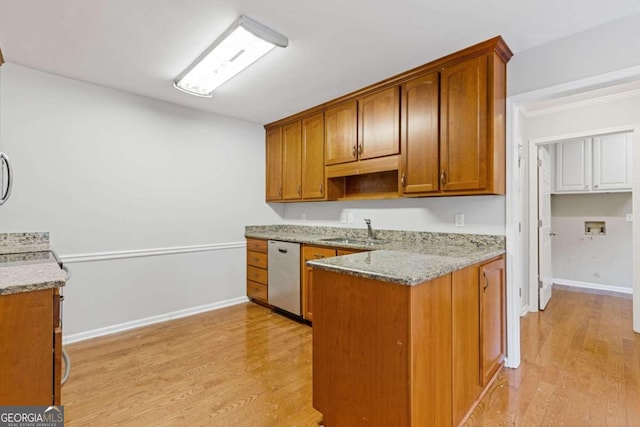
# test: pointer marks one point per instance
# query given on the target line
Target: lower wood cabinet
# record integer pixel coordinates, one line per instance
(257, 273)
(30, 348)
(406, 355)
(310, 253)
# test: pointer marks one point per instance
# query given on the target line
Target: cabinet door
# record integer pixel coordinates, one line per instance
(573, 165)
(379, 124)
(492, 318)
(341, 130)
(310, 253)
(313, 157)
(27, 358)
(292, 161)
(612, 162)
(464, 126)
(420, 168)
(274, 164)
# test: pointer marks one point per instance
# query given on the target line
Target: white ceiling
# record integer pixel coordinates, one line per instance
(335, 46)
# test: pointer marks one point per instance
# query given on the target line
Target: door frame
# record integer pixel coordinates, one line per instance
(534, 192)
(516, 221)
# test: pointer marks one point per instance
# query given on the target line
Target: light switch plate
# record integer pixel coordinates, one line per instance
(459, 219)
(350, 217)
(629, 217)
(343, 217)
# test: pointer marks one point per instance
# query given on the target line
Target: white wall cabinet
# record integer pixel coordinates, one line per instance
(594, 164)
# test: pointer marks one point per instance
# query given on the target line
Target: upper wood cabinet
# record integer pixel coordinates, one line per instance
(313, 185)
(492, 318)
(435, 130)
(274, 164)
(379, 124)
(295, 160)
(292, 161)
(341, 131)
(419, 165)
(463, 117)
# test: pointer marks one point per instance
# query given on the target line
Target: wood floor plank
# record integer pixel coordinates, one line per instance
(247, 366)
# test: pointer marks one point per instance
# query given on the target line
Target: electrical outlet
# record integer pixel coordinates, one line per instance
(350, 217)
(629, 217)
(303, 216)
(459, 219)
(343, 217)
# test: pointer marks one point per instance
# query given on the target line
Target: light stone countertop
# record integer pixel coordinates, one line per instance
(26, 265)
(403, 257)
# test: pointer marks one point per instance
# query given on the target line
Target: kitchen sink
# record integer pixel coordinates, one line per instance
(347, 241)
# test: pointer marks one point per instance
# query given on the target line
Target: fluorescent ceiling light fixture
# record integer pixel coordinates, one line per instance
(241, 45)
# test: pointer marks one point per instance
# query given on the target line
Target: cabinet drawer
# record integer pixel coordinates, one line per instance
(257, 245)
(257, 259)
(314, 252)
(256, 290)
(257, 274)
(340, 252)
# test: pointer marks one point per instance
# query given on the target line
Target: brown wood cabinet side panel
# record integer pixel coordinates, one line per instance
(420, 135)
(26, 348)
(341, 133)
(430, 352)
(57, 366)
(498, 125)
(347, 387)
(465, 316)
(313, 185)
(274, 164)
(379, 124)
(292, 161)
(492, 287)
(463, 125)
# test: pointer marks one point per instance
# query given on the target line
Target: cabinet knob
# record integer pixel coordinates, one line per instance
(586, 187)
(299, 190)
(595, 186)
(443, 177)
(280, 191)
(403, 181)
(353, 150)
(321, 188)
(360, 149)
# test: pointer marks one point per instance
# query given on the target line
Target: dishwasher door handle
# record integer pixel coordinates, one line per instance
(282, 251)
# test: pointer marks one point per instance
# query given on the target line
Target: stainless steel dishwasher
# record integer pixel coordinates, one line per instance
(284, 276)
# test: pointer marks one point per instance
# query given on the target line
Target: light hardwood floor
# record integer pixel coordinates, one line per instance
(246, 366)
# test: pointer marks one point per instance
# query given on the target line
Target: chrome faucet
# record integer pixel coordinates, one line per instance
(369, 229)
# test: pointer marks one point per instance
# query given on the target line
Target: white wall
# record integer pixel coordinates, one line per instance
(482, 214)
(592, 259)
(105, 171)
(608, 48)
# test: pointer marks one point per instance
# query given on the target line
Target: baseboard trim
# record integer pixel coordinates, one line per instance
(596, 286)
(137, 253)
(108, 330)
(524, 310)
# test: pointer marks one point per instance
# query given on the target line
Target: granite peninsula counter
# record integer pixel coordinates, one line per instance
(401, 257)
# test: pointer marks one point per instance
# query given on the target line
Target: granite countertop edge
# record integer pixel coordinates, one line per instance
(37, 286)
